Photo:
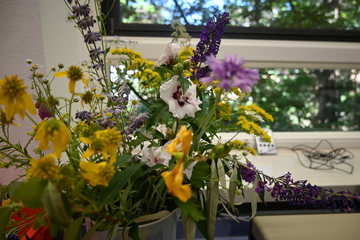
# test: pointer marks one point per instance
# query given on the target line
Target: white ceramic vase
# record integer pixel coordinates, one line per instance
(161, 229)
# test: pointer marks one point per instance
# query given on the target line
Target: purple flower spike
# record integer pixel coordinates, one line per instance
(247, 174)
(231, 73)
(210, 39)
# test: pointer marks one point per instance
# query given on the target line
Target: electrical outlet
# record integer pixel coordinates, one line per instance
(264, 147)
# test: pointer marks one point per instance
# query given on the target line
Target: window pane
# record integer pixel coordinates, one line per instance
(310, 99)
(335, 14)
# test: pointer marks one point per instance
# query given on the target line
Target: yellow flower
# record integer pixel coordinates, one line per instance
(186, 52)
(55, 131)
(97, 173)
(15, 98)
(105, 141)
(4, 121)
(258, 110)
(45, 167)
(184, 138)
(173, 180)
(252, 128)
(74, 73)
(225, 110)
(127, 52)
(88, 97)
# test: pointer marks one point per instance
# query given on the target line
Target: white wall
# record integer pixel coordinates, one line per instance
(35, 30)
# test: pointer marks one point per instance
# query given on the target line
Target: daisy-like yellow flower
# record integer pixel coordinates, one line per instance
(74, 73)
(88, 97)
(4, 121)
(55, 131)
(104, 142)
(173, 180)
(97, 173)
(44, 167)
(15, 98)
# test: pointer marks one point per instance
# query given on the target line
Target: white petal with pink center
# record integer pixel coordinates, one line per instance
(155, 155)
(180, 104)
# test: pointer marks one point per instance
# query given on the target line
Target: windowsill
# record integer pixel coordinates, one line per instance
(265, 53)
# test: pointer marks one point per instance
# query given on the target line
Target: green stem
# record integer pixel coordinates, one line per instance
(204, 125)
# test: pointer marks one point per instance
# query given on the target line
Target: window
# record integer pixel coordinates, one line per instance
(287, 67)
(330, 20)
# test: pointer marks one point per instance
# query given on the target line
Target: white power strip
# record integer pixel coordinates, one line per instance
(264, 147)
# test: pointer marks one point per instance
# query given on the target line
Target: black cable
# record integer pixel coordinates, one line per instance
(324, 160)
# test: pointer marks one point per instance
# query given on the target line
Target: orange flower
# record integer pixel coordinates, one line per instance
(173, 181)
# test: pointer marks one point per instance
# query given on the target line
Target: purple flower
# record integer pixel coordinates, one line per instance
(86, 22)
(92, 37)
(210, 39)
(231, 73)
(247, 174)
(304, 194)
(82, 10)
(136, 123)
(95, 53)
(44, 112)
(84, 116)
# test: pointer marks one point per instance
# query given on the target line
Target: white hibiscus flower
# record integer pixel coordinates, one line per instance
(171, 52)
(155, 155)
(180, 104)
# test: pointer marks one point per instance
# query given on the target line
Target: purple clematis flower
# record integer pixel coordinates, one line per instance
(231, 73)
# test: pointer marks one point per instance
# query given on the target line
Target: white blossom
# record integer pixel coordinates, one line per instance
(171, 52)
(162, 128)
(155, 155)
(180, 104)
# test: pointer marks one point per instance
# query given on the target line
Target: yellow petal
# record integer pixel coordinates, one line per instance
(72, 86)
(60, 74)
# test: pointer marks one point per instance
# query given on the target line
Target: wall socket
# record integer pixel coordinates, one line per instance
(265, 147)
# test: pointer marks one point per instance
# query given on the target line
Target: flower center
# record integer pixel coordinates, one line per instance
(178, 95)
(12, 86)
(74, 73)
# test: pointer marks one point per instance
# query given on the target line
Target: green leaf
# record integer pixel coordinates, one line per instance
(134, 231)
(121, 159)
(221, 173)
(117, 183)
(213, 200)
(72, 232)
(191, 207)
(184, 83)
(189, 226)
(232, 188)
(29, 193)
(12, 188)
(254, 198)
(160, 109)
(5, 213)
(55, 205)
(200, 173)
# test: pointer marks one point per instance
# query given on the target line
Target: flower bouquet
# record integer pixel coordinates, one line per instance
(130, 149)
